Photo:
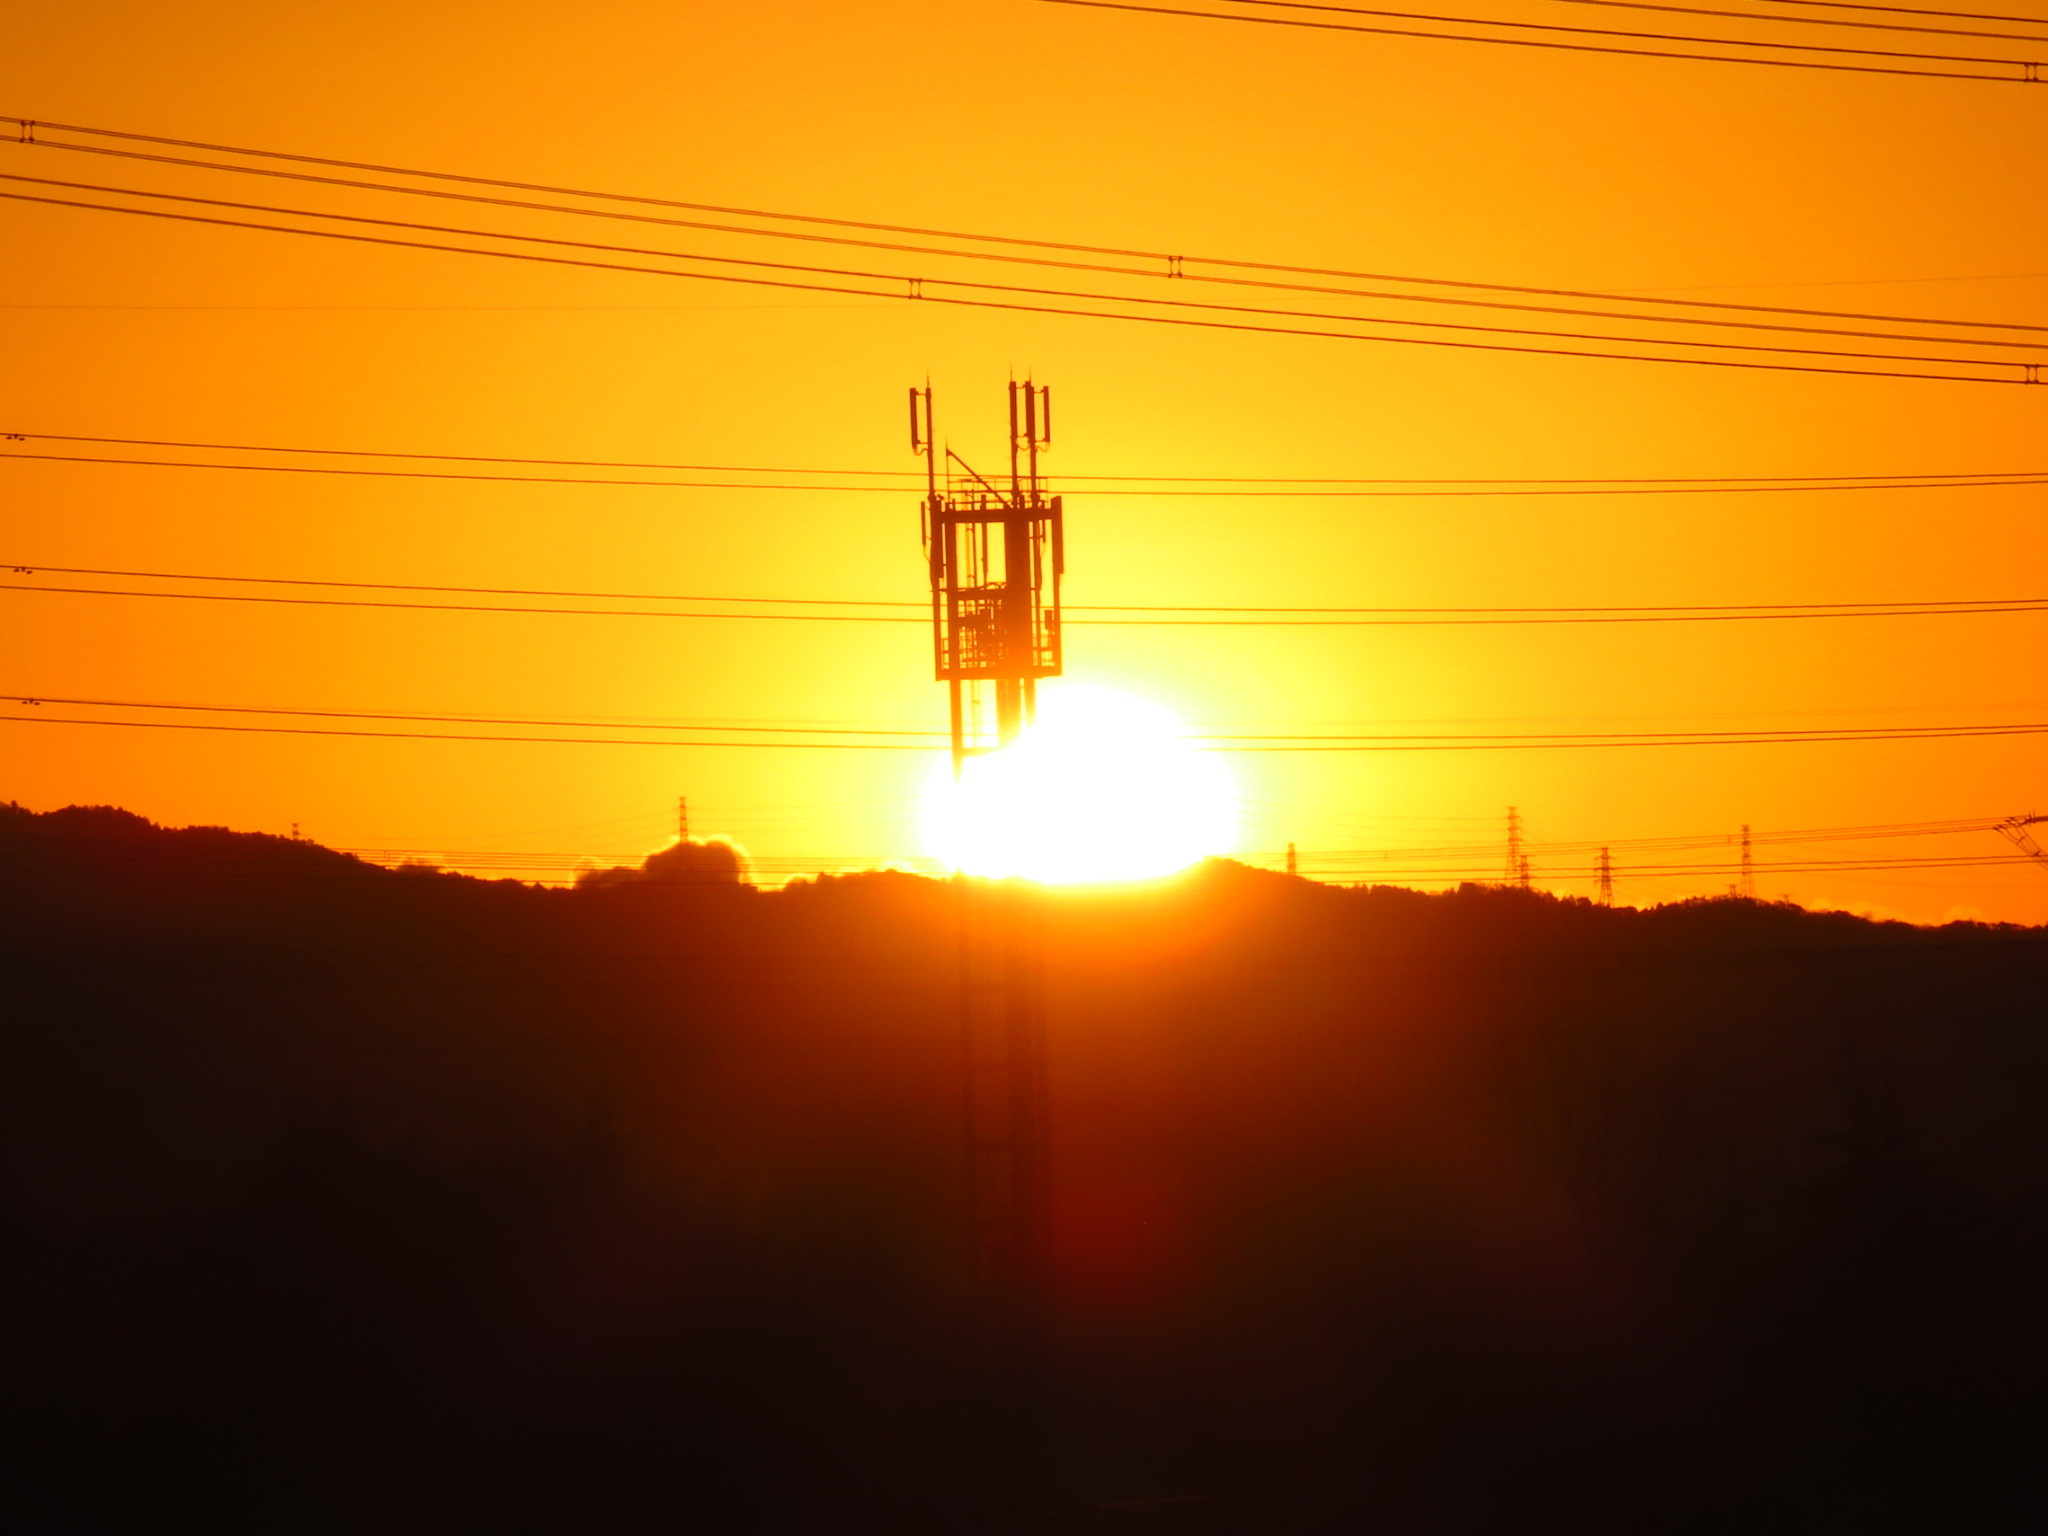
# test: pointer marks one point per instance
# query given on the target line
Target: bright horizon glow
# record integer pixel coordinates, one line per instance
(1103, 787)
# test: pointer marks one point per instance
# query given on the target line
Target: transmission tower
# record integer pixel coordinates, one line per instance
(996, 555)
(1603, 872)
(1518, 862)
(2014, 830)
(1746, 888)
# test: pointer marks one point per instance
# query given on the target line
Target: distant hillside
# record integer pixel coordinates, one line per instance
(338, 1197)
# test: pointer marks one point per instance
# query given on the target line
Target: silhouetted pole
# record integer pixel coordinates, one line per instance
(995, 559)
(1604, 873)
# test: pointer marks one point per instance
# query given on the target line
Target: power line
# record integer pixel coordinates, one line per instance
(2028, 71)
(39, 700)
(1504, 739)
(345, 602)
(914, 287)
(1684, 10)
(1265, 617)
(1374, 874)
(915, 291)
(582, 741)
(1994, 604)
(1414, 619)
(915, 482)
(392, 586)
(433, 474)
(484, 864)
(1544, 850)
(1170, 263)
(1170, 267)
(1411, 742)
(572, 863)
(1362, 491)
(911, 481)
(29, 134)
(1679, 843)
(1794, 21)
(1907, 10)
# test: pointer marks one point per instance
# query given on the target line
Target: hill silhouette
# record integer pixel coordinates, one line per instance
(334, 1197)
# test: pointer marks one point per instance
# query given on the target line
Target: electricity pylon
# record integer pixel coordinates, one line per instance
(2014, 830)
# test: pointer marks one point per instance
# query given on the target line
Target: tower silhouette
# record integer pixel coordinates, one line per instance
(996, 556)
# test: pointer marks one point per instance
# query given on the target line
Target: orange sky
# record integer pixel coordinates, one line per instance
(1503, 165)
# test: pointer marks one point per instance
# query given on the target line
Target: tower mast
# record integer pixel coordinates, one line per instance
(995, 558)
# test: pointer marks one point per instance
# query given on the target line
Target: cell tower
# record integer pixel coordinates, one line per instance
(1604, 873)
(996, 555)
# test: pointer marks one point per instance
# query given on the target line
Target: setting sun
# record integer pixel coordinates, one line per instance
(1104, 787)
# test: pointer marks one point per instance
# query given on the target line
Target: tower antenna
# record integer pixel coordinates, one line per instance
(995, 559)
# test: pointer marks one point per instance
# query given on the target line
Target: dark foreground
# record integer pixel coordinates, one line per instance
(337, 1199)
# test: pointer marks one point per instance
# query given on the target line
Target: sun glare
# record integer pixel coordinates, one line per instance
(1104, 787)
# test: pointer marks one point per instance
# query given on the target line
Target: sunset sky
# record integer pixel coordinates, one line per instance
(1653, 178)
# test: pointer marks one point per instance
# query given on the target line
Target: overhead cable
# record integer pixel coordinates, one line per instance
(915, 481)
(1030, 299)
(32, 133)
(1907, 10)
(2025, 72)
(1988, 604)
(1240, 743)
(1276, 490)
(918, 290)
(1796, 21)
(914, 286)
(1696, 311)
(1271, 618)
(1686, 10)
